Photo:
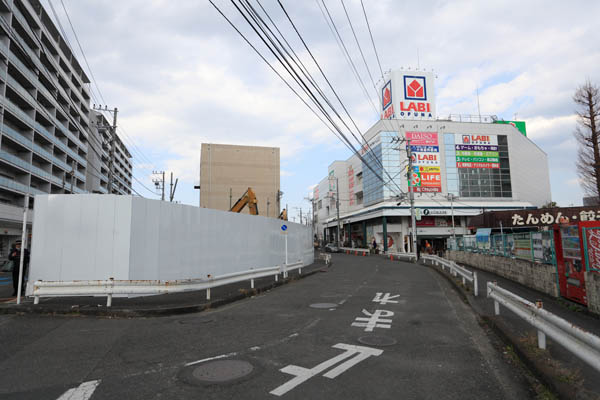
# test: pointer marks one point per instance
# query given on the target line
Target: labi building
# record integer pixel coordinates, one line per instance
(461, 166)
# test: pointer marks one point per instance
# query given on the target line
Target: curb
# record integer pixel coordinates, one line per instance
(103, 311)
(540, 371)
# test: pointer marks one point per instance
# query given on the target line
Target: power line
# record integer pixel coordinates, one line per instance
(336, 95)
(371, 34)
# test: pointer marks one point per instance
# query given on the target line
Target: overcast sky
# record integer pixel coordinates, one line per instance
(181, 76)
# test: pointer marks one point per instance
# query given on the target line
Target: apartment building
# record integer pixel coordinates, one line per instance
(46, 120)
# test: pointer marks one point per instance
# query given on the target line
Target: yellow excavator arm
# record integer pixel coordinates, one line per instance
(248, 198)
(283, 215)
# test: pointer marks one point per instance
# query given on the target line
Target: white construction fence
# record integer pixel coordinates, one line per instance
(126, 245)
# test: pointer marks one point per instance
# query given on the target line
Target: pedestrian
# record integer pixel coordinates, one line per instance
(374, 244)
(15, 256)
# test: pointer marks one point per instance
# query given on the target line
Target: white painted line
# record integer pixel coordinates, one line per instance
(363, 354)
(211, 358)
(378, 319)
(302, 374)
(81, 392)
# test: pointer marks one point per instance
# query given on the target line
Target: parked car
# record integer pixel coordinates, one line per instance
(331, 248)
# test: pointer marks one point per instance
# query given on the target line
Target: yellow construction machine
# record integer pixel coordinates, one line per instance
(248, 198)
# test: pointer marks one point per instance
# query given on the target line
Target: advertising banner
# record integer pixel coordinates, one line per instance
(478, 159)
(476, 140)
(426, 189)
(422, 169)
(470, 153)
(431, 179)
(425, 149)
(476, 147)
(422, 138)
(427, 159)
(477, 165)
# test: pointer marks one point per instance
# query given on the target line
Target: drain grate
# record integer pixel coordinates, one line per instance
(221, 371)
(323, 305)
(377, 340)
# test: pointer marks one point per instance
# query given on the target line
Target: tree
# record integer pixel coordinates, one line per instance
(587, 100)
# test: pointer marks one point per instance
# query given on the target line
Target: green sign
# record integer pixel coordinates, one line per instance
(415, 179)
(470, 153)
(520, 125)
(478, 159)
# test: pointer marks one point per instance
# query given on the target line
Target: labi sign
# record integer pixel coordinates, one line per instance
(408, 96)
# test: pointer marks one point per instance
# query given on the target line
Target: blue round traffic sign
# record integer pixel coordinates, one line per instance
(283, 227)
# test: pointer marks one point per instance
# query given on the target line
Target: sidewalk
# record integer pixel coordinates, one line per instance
(146, 306)
(556, 366)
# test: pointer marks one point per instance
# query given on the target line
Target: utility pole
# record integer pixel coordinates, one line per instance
(452, 197)
(72, 175)
(113, 146)
(337, 207)
(231, 199)
(159, 183)
(173, 188)
(411, 195)
(268, 203)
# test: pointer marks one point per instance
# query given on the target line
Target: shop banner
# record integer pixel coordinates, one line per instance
(422, 138)
(425, 149)
(426, 189)
(477, 165)
(466, 153)
(476, 140)
(478, 159)
(422, 169)
(426, 159)
(475, 147)
(431, 179)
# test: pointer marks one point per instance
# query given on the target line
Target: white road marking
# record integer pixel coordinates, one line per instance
(211, 358)
(302, 374)
(384, 299)
(375, 320)
(81, 392)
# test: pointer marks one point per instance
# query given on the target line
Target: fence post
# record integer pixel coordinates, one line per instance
(208, 294)
(531, 247)
(541, 335)
(109, 300)
(475, 284)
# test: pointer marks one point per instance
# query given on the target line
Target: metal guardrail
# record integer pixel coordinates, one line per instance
(112, 287)
(409, 256)
(583, 344)
(355, 250)
(455, 270)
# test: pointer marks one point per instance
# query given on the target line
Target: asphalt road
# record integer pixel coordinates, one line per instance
(426, 344)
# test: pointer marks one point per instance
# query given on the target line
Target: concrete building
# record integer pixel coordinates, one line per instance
(226, 172)
(45, 125)
(484, 164)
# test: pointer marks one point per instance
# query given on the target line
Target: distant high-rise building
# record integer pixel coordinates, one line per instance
(227, 171)
(47, 129)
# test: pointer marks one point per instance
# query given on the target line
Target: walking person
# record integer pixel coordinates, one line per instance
(374, 246)
(15, 256)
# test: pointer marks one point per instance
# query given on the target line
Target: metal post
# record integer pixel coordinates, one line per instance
(411, 194)
(208, 294)
(475, 284)
(385, 241)
(171, 190)
(109, 300)
(230, 199)
(451, 198)
(72, 174)
(23, 243)
(163, 186)
(252, 283)
(337, 206)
